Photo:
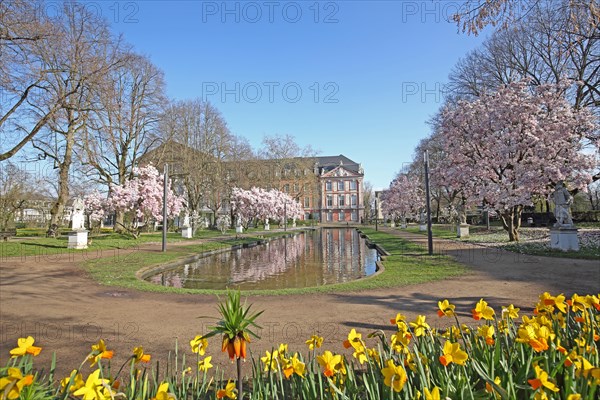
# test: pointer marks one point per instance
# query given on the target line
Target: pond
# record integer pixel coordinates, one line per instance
(312, 258)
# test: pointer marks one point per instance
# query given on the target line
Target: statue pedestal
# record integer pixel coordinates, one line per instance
(462, 230)
(267, 227)
(186, 232)
(422, 227)
(564, 238)
(392, 224)
(403, 226)
(78, 240)
(239, 229)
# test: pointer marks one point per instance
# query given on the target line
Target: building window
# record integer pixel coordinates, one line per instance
(329, 200)
(328, 186)
(329, 216)
(341, 200)
(306, 202)
(296, 187)
(307, 187)
(286, 188)
(352, 185)
(353, 200)
(306, 216)
(354, 216)
(340, 185)
(342, 216)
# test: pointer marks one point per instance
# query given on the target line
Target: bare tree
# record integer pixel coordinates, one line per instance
(15, 190)
(475, 15)
(78, 56)
(121, 129)
(23, 77)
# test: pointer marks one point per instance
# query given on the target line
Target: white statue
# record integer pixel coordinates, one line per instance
(186, 220)
(77, 217)
(238, 221)
(562, 205)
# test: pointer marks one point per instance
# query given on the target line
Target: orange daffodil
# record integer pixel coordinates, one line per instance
(394, 376)
(330, 363)
(549, 303)
(99, 352)
(25, 346)
(482, 310)
(230, 391)
(140, 356)
(445, 309)
(541, 381)
(453, 354)
(12, 384)
(355, 341)
(487, 332)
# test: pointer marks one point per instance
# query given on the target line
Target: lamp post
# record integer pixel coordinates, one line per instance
(165, 190)
(428, 203)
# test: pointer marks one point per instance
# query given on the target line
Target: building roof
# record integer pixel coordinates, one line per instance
(328, 163)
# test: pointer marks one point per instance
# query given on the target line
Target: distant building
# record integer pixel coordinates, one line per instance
(330, 188)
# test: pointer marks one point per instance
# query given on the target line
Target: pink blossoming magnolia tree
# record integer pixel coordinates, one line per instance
(263, 205)
(142, 196)
(404, 197)
(507, 147)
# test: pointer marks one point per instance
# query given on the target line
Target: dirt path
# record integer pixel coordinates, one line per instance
(52, 299)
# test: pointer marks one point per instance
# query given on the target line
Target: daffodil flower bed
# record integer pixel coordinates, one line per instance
(551, 354)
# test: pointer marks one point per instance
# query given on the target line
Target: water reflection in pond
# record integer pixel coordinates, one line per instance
(314, 258)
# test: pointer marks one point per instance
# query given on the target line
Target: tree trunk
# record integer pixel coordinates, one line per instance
(119, 221)
(511, 222)
(58, 208)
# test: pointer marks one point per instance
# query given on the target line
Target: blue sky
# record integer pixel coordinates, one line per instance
(358, 78)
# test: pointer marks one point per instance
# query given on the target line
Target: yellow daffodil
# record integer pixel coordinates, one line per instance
(490, 388)
(574, 396)
(329, 362)
(510, 312)
(25, 346)
(230, 391)
(541, 380)
(314, 342)
(394, 376)
(283, 349)
(445, 309)
(453, 354)
(585, 368)
(270, 360)
(433, 395)
(12, 384)
(400, 341)
(99, 351)
(205, 365)
(199, 345)
(294, 366)
(140, 356)
(163, 392)
(420, 327)
(482, 310)
(399, 318)
(76, 381)
(354, 340)
(452, 333)
(95, 388)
